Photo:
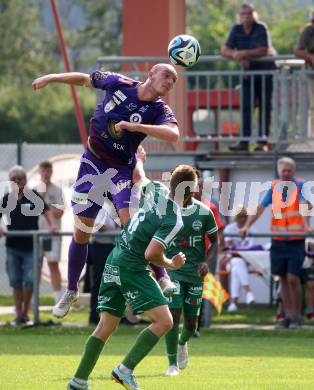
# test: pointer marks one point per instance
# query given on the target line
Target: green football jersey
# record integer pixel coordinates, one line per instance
(198, 221)
(158, 218)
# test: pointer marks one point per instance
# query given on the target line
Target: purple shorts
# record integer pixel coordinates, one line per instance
(97, 182)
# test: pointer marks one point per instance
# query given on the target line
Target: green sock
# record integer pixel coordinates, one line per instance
(172, 338)
(93, 348)
(144, 343)
(185, 335)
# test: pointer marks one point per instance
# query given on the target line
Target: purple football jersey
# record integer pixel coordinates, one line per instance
(121, 103)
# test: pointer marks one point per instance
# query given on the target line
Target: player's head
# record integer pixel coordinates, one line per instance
(183, 183)
(162, 78)
(286, 168)
(45, 171)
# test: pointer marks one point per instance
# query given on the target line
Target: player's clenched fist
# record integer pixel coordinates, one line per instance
(41, 82)
(178, 260)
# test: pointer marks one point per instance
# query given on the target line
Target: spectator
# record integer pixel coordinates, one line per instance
(246, 42)
(237, 266)
(286, 253)
(22, 208)
(305, 49)
(100, 248)
(51, 246)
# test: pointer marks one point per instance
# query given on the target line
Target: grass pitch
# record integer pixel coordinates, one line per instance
(46, 358)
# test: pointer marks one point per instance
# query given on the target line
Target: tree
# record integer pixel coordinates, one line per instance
(211, 21)
(29, 48)
(101, 34)
(285, 21)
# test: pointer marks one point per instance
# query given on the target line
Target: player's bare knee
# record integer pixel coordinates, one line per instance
(100, 332)
(104, 330)
(166, 323)
(83, 228)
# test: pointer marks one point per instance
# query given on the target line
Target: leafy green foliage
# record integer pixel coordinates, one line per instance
(23, 44)
(211, 21)
(29, 48)
(102, 33)
(46, 115)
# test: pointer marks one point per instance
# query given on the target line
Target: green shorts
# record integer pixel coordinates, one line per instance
(120, 286)
(188, 297)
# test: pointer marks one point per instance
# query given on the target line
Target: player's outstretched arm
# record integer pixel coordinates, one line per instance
(71, 78)
(155, 254)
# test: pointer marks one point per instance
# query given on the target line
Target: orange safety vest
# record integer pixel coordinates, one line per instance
(286, 219)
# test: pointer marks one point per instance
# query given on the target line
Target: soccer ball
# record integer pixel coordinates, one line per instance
(184, 50)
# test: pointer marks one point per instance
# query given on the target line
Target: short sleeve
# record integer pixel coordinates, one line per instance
(168, 230)
(231, 41)
(302, 41)
(263, 38)
(60, 198)
(104, 80)
(165, 115)
(267, 198)
(210, 226)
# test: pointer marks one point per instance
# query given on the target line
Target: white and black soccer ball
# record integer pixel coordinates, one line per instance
(184, 50)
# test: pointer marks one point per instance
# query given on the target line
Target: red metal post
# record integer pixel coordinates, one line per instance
(78, 112)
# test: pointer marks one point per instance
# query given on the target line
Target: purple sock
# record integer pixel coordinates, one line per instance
(159, 272)
(77, 259)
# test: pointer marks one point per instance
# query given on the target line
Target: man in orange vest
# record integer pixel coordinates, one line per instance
(287, 253)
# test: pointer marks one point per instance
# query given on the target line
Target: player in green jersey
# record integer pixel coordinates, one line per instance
(198, 222)
(126, 278)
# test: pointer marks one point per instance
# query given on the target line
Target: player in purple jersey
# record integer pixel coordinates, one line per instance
(130, 111)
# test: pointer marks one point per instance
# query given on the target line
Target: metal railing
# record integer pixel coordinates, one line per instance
(220, 105)
(36, 234)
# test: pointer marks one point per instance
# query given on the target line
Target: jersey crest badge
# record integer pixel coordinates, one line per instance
(197, 225)
(136, 118)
